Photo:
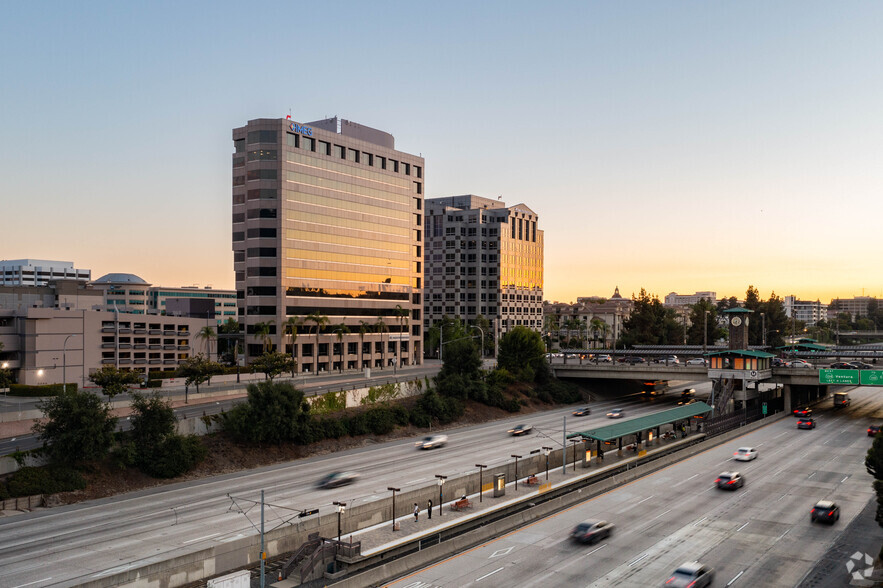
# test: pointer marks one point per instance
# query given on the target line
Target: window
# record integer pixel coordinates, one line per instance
(262, 194)
(238, 198)
(308, 143)
(261, 271)
(419, 171)
(262, 252)
(340, 151)
(324, 147)
(394, 165)
(238, 236)
(239, 217)
(239, 255)
(239, 145)
(407, 168)
(292, 140)
(238, 162)
(262, 213)
(368, 158)
(419, 187)
(262, 155)
(352, 155)
(261, 291)
(238, 180)
(261, 137)
(381, 162)
(261, 174)
(261, 233)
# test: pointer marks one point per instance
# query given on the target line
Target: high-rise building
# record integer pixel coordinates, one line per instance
(328, 223)
(483, 258)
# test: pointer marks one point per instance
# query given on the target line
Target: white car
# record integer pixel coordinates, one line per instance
(799, 363)
(432, 442)
(697, 361)
(616, 413)
(603, 359)
(745, 454)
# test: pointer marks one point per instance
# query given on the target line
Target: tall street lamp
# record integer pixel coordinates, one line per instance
(441, 483)
(517, 457)
(394, 490)
(546, 452)
(64, 363)
(705, 333)
(763, 328)
(341, 506)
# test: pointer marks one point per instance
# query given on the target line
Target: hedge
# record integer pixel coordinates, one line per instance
(37, 391)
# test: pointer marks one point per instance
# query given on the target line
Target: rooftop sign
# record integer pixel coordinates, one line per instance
(308, 131)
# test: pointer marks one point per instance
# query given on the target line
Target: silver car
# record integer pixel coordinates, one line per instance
(432, 442)
(692, 574)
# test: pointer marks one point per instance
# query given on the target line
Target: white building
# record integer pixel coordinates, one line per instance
(675, 299)
(39, 272)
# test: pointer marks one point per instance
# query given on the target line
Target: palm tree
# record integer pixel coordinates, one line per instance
(364, 327)
(290, 328)
(207, 333)
(596, 326)
(320, 320)
(381, 328)
(401, 314)
(262, 333)
(341, 330)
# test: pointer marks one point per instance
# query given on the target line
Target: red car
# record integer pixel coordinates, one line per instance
(874, 429)
(802, 412)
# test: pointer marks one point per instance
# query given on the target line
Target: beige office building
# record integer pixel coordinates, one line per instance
(328, 221)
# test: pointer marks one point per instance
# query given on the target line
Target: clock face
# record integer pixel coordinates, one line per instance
(736, 321)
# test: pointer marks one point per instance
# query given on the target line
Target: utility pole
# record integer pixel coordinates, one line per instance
(263, 555)
(564, 446)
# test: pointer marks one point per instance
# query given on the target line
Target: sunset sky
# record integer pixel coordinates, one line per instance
(674, 146)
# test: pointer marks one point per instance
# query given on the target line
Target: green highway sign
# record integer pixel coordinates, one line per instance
(843, 377)
(872, 377)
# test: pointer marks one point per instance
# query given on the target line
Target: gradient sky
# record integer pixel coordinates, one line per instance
(674, 146)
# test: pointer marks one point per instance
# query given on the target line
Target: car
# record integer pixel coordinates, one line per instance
(841, 399)
(591, 531)
(668, 360)
(337, 479)
(825, 511)
(689, 401)
(745, 454)
(518, 430)
(799, 363)
(860, 365)
(841, 365)
(806, 423)
(803, 411)
(432, 442)
(584, 411)
(697, 361)
(779, 362)
(691, 574)
(730, 480)
(632, 359)
(603, 358)
(616, 413)
(874, 429)
(688, 393)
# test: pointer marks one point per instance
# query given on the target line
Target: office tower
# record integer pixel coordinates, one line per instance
(327, 223)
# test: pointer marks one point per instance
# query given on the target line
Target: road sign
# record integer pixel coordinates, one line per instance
(872, 377)
(843, 377)
(763, 409)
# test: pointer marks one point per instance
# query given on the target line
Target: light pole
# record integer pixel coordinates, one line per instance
(64, 363)
(546, 452)
(480, 487)
(516, 470)
(575, 442)
(705, 333)
(394, 490)
(441, 483)
(480, 330)
(763, 328)
(341, 507)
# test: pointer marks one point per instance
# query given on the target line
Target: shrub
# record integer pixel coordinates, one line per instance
(34, 391)
(332, 428)
(179, 454)
(380, 420)
(511, 405)
(29, 481)
(357, 425)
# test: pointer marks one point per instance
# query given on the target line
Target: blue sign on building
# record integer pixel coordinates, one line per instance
(308, 131)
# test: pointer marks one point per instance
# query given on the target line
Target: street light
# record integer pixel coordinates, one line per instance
(480, 487)
(393, 490)
(705, 333)
(341, 507)
(763, 328)
(575, 441)
(480, 330)
(517, 457)
(546, 452)
(64, 363)
(441, 482)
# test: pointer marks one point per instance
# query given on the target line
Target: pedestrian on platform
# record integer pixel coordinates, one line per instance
(416, 512)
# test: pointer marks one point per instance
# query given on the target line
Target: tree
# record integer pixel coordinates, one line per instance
(272, 363)
(522, 354)
(198, 369)
(78, 427)
(153, 420)
(207, 333)
(114, 381)
(290, 328)
(381, 328)
(874, 465)
(698, 322)
(402, 314)
(597, 326)
(227, 331)
(340, 331)
(487, 329)
(650, 323)
(275, 412)
(320, 321)
(262, 333)
(364, 328)
(5, 374)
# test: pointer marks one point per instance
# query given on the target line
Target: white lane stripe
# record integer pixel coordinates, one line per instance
(634, 561)
(34, 582)
(699, 521)
(783, 534)
(736, 578)
(685, 481)
(593, 551)
(844, 479)
(200, 538)
(742, 527)
(486, 575)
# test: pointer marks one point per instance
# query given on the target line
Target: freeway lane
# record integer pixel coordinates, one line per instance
(759, 535)
(68, 545)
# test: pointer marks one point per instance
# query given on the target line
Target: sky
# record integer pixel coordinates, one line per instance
(671, 146)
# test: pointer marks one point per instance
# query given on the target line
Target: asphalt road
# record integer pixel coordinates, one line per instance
(759, 535)
(69, 545)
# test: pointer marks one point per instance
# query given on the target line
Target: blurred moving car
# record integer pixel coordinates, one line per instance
(697, 361)
(603, 359)
(337, 479)
(841, 399)
(519, 430)
(874, 429)
(691, 574)
(432, 442)
(688, 393)
(668, 360)
(802, 411)
(825, 511)
(591, 531)
(799, 363)
(841, 365)
(806, 423)
(779, 362)
(745, 454)
(632, 359)
(616, 413)
(582, 411)
(730, 480)
(860, 365)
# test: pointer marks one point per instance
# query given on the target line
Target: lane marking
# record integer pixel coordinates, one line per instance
(844, 479)
(699, 521)
(811, 475)
(200, 538)
(687, 480)
(35, 582)
(742, 527)
(500, 552)
(634, 561)
(593, 551)
(631, 506)
(486, 575)
(736, 578)
(414, 481)
(783, 534)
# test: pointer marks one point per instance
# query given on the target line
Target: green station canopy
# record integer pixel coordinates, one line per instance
(743, 353)
(643, 423)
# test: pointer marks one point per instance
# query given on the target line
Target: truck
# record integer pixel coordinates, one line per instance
(841, 399)
(654, 387)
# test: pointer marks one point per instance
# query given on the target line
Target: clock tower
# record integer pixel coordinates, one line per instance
(737, 321)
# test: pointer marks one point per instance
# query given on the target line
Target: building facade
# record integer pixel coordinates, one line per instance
(808, 311)
(39, 272)
(483, 259)
(328, 224)
(675, 299)
(223, 302)
(591, 322)
(856, 306)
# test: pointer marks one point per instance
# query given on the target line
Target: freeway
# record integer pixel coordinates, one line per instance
(759, 535)
(72, 544)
